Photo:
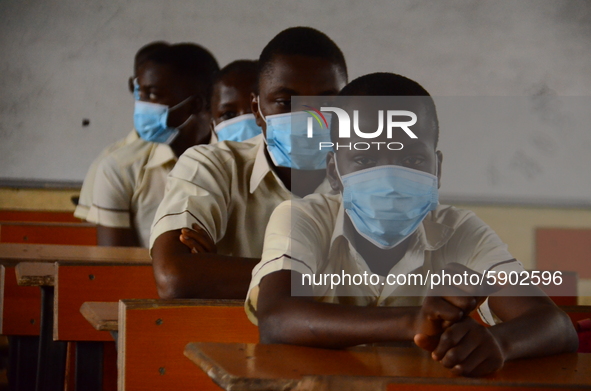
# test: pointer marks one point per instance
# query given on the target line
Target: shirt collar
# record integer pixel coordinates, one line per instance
(261, 165)
(163, 154)
(429, 236)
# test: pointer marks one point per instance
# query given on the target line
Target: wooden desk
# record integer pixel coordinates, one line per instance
(239, 366)
(84, 270)
(101, 315)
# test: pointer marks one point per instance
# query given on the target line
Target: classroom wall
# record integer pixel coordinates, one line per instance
(66, 61)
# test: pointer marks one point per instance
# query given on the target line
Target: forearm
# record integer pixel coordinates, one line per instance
(301, 321)
(541, 331)
(203, 275)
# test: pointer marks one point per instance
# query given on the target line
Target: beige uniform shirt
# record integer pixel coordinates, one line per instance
(229, 189)
(129, 186)
(308, 236)
(85, 201)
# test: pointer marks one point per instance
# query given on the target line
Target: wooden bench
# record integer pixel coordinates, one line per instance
(241, 366)
(38, 216)
(48, 233)
(153, 333)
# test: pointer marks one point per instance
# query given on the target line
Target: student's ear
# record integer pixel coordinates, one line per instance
(254, 106)
(331, 172)
(198, 104)
(130, 85)
(439, 161)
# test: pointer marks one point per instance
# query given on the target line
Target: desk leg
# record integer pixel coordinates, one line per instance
(89, 366)
(51, 367)
(22, 362)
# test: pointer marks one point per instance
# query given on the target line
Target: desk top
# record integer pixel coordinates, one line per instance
(256, 367)
(11, 254)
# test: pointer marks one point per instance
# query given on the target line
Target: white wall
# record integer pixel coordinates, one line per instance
(66, 60)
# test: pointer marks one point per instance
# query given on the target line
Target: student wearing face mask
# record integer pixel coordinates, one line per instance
(231, 113)
(171, 114)
(384, 221)
(227, 191)
(85, 199)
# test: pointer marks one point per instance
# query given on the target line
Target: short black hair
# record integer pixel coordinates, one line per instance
(140, 56)
(303, 41)
(190, 61)
(391, 84)
(238, 66)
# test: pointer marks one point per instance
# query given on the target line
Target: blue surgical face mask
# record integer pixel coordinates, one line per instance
(150, 119)
(136, 89)
(288, 142)
(386, 204)
(238, 128)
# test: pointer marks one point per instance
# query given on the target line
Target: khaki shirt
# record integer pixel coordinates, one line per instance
(85, 200)
(308, 236)
(229, 189)
(129, 186)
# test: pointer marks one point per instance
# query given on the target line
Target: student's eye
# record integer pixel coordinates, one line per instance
(364, 161)
(413, 161)
(152, 96)
(228, 115)
(284, 103)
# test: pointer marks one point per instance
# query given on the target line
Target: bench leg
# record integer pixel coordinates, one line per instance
(22, 362)
(89, 366)
(51, 368)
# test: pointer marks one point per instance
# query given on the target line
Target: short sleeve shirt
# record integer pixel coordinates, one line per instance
(85, 199)
(229, 189)
(310, 236)
(129, 186)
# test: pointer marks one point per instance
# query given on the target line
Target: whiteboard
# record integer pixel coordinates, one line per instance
(64, 61)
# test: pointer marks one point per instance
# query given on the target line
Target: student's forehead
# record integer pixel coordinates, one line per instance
(153, 73)
(302, 74)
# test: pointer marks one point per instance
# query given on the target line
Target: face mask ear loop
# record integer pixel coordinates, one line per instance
(262, 116)
(336, 166)
(259, 108)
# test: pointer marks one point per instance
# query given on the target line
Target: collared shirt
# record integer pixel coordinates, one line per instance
(129, 186)
(86, 192)
(310, 236)
(229, 189)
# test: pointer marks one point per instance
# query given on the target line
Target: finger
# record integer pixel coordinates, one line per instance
(193, 245)
(466, 303)
(437, 308)
(205, 238)
(449, 350)
(201, 239)
(426, 342)
(472, 361)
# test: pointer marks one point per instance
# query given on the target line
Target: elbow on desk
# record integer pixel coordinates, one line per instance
(174, 283)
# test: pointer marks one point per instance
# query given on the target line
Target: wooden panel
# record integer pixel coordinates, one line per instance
(101, 315)
(48, 233)
(153, 334)
(20, 306)
(75, 285)
(13, 253)
(564, 249)
(239, 366)
(38, 216)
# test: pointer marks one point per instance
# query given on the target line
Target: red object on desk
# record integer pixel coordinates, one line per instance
(584, 332)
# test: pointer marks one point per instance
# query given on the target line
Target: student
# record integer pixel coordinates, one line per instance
(392, 224)
(229, 190)
(85, 199)
(231, 113)
(171, 115)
